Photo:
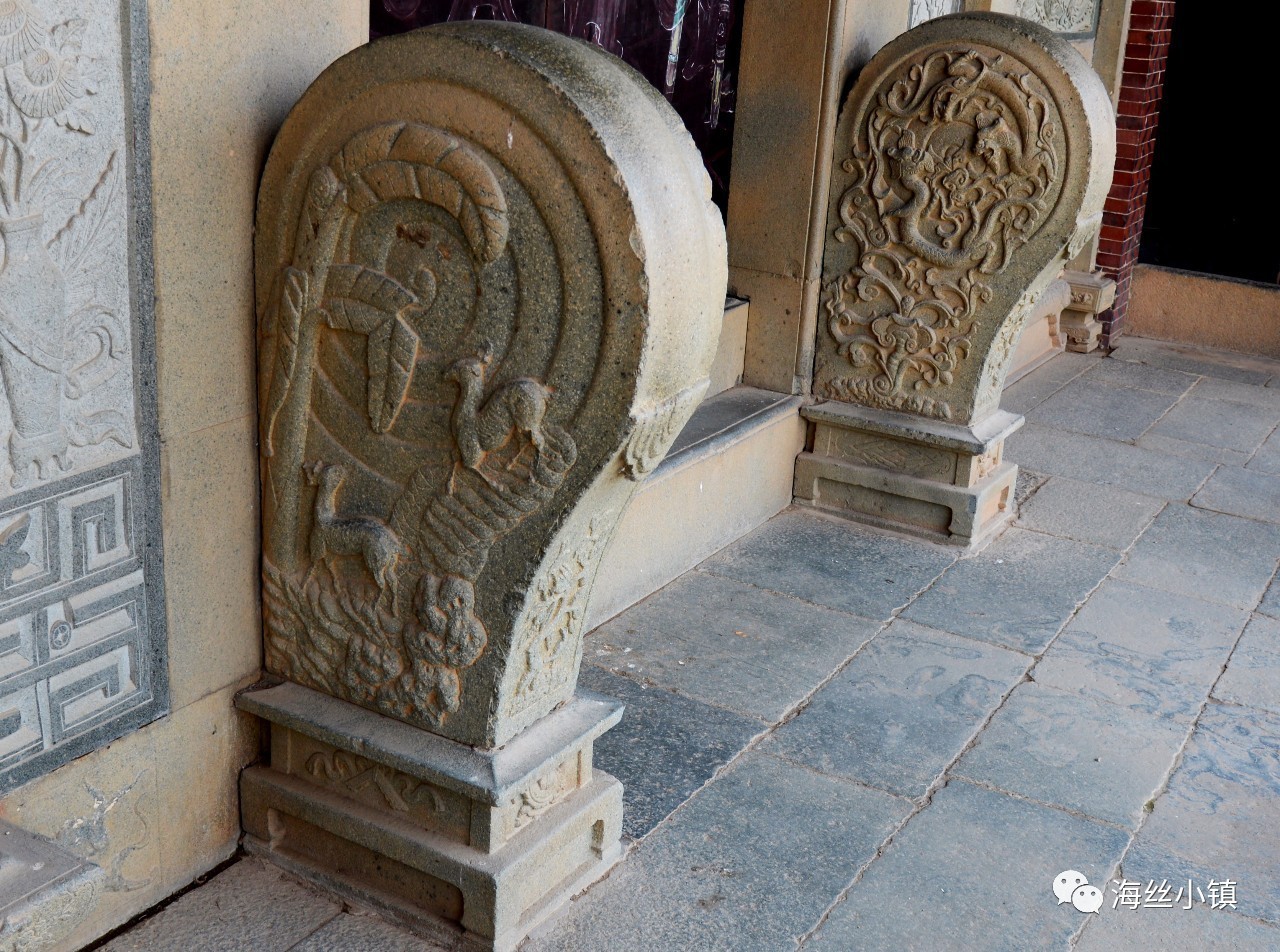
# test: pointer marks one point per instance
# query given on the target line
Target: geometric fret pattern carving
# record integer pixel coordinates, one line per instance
(82, 656)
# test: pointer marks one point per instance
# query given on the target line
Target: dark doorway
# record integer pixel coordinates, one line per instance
(1213, 204)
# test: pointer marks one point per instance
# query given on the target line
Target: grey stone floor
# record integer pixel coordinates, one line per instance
(843, 740)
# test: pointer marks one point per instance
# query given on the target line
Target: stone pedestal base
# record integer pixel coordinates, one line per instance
(1091, 294)
(940, 481)
(468, 846)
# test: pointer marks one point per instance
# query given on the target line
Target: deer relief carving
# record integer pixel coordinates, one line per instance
(334, 536)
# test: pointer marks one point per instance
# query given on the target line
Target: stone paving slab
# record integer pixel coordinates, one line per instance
(1098, 759)
(1267, 457)
(1210, 555)
(1218, 423)
(1047, 379)
(251, 905)
(1088, 405)
(1215, 388)
(902, 710)
(1128, 373)
(1045, 449)
(1087, 512)
(1190, 450)
(1018, 592)
(1186, 358)
(1152, 651)
(827, 562)
(1241, 492)
(363, 933)
(1195, 930)
(972, 872)
(1252, 677)
(665, 747)
(728, 644)
(748, 865)
(1270, 604)
(1219, 816)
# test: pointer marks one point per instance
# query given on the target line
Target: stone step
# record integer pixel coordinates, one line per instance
(731, 352)
(729, 470)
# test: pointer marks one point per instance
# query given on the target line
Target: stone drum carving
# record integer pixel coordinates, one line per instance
(973, 158)
(490, 278)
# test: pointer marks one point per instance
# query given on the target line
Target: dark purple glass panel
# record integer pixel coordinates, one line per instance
(688, 49)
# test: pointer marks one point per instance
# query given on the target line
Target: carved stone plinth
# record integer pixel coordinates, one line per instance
(973, 157)
(1091, 294)
(490, 282)
(466, 845)
(942, 481)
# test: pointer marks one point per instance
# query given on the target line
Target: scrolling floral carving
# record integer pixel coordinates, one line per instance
(56, 346)
(1063, 16)
(955, 167)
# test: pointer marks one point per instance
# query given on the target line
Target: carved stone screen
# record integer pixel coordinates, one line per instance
(1075, 19)
(688, 49)
(82, 656)
(924, 10)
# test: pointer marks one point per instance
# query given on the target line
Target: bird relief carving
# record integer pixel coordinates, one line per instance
(395, 230)
(954, 167)
(58, 345)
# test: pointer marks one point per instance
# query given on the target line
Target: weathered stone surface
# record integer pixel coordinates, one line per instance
(1208, 555)
(1213, 822)
(1155, 652)
(1197, 928)
(1198, 419)
(1190, 359)
(1091, 294)
(973, 157)
(1087, 405)
(718, 878)
(251, 905)
(1018, 592)
(1089, 513)
(357, 933)
(1075, 18)
(1241, 492)
(81, 602)
(732, 645)
(923, 892)
(902, 710)
(665, 748)
(821, 561)
(490, 282)
(1106, 462)
(452, 841)
(1096, 758)
(1254, 669)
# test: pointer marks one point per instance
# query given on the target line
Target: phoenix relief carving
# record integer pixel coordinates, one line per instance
(378, 604)
(954, 168)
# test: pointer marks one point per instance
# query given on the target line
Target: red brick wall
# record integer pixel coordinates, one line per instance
(1141, 85)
